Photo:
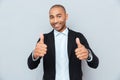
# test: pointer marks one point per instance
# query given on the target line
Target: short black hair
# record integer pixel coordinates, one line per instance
(58, 5)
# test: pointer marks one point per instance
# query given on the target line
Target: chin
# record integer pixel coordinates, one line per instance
(58, 29)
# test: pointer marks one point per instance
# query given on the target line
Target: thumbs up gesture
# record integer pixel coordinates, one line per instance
(81, 52)
(41, 48)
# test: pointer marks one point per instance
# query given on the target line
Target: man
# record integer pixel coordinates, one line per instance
(62, 50)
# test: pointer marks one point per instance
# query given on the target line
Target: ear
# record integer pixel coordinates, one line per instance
(66, 16)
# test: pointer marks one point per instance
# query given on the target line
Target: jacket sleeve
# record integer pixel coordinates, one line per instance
(95, 61)
(31, 63)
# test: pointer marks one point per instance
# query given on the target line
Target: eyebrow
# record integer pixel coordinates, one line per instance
(57, 14)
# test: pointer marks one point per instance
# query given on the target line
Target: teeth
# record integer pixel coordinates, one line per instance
(57, 25)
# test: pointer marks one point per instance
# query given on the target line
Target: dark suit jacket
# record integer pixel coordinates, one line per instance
(75, 71)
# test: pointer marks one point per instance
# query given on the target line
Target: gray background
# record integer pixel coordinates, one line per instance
(22, 21)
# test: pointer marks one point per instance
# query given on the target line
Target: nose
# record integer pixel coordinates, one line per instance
(55, 20)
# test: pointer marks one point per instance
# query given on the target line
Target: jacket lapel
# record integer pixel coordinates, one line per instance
(70, 42)
(52, 41)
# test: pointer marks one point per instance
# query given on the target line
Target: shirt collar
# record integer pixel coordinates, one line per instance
(65, 32)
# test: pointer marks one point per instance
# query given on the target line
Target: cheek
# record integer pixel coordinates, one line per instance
(62, 20)
(51, 21)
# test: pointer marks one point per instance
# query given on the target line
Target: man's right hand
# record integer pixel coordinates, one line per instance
(41, 48)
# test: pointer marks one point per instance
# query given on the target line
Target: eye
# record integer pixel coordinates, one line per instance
(59, 16)
(51, 17)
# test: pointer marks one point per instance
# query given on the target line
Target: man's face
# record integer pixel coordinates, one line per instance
(58, 18)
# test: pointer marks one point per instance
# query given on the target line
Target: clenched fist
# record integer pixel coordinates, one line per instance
(41, 48)
(81, 52)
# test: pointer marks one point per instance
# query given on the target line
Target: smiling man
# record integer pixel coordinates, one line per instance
(62, 50)
(58, 18)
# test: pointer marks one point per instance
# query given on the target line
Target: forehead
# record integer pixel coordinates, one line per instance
(56, 10)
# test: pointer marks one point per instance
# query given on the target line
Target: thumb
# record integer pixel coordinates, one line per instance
(78, 42)
(42, 38)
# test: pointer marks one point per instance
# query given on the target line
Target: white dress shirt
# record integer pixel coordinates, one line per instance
(61, 56)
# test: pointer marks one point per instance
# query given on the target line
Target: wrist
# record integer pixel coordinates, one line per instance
(90, 57)
(34, 56)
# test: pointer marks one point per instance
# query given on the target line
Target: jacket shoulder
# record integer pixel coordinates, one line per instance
(49, 33)
(75, 33)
